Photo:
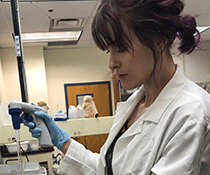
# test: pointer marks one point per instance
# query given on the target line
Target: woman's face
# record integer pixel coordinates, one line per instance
(133, 67)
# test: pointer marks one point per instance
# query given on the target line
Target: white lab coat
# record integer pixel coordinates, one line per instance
(171, 138)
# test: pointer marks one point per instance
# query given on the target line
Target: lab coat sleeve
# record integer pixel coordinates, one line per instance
(78, 161)
(184, 151)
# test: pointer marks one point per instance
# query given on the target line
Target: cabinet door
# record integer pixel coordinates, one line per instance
(93, 142)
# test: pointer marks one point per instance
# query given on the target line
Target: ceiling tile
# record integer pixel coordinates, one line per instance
(30, 26)
(6, 26)
(197, 6)
(68, 9)
(203, 20)
(36, 17)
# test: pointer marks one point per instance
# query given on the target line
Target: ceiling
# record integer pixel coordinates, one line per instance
(36, 17)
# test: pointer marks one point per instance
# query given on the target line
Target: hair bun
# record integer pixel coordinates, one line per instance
(176, 5)
(188, 34)
(188, 23)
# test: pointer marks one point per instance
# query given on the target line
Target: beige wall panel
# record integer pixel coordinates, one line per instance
(197, 64)
(66, 66)
(2, 90)
(35, 74)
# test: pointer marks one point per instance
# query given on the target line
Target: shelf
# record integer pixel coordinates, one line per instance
(75, 128)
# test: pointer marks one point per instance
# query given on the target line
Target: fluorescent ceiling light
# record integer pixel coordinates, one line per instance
(203, 28)
(51, 36)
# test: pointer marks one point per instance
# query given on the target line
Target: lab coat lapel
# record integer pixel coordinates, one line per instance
(154, 113)
(123, 113)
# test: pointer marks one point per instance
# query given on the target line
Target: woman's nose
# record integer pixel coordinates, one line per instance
(113, 62)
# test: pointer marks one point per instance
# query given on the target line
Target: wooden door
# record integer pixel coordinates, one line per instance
(93, 142)
(100, 91)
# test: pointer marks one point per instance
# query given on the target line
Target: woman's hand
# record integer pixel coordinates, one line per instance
(58, 136)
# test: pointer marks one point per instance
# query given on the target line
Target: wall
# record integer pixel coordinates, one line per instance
(35, 74)
(2, 90)
(197, 64)
(73, 66)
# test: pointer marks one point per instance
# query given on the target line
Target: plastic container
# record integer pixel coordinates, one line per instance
(34, 145)
(29, 168)
(55, 169)
(12, 147)
(75, 112)
(60, 117)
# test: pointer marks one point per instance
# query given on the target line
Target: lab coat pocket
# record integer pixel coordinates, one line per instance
(142, 158)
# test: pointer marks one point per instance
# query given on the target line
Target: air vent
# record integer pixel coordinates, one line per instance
(66, 24)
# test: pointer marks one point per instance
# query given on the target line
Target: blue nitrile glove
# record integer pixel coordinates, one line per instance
(28, 121)
(58, 136)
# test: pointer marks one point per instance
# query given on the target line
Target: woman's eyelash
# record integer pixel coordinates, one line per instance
(117, 49)
(107, 51)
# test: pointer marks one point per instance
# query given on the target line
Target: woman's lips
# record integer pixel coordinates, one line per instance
(120, 76)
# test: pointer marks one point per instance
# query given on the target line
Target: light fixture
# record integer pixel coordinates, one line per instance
(202, 28)
(41, 37)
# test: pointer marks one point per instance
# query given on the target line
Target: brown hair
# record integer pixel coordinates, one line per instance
(153, 21)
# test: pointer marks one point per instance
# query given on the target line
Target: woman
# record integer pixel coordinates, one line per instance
(162, 129)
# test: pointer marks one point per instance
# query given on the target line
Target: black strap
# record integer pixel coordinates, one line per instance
(109, 153)
(126, 125)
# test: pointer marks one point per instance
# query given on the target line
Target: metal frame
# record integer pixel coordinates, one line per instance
(19, 50)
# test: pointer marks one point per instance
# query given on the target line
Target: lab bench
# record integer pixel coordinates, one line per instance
(44, 157)
(83, 130)
(75, 128)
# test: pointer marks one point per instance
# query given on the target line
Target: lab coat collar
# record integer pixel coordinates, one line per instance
(154, 113)
(122, 114)
(126, 108)
(166, 96)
